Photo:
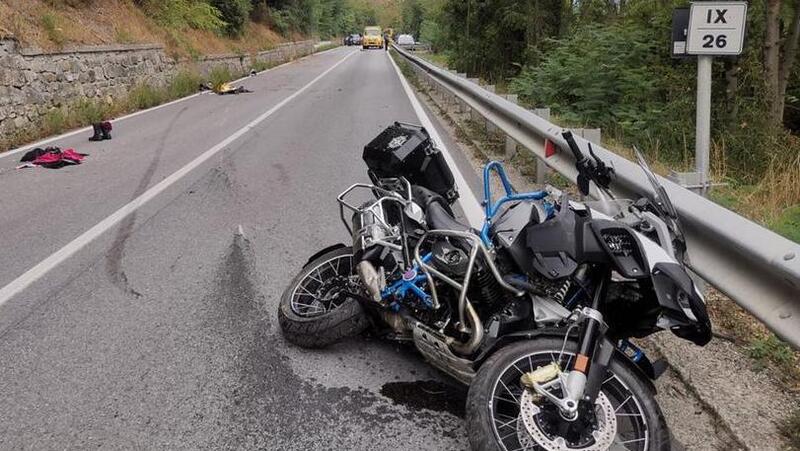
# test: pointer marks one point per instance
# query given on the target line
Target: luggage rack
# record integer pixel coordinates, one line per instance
(376, 208)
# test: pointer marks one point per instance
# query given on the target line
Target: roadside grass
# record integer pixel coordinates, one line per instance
(770, 349)
(219, 75)
(123, 36)
(790, 428)
(325, 47)
(183, 84)
(52, 28)
(259, 65)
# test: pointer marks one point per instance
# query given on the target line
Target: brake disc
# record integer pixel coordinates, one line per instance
(530, 433)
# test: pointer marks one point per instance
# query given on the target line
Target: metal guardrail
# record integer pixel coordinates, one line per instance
(416, 47)
(755, 267)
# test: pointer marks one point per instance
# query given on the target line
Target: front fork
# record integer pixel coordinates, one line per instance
(583, 380)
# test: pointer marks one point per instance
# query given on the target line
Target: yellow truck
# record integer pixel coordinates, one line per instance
(373, 38)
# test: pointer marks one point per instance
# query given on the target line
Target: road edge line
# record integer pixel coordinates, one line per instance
(467, 200)
(30, 276)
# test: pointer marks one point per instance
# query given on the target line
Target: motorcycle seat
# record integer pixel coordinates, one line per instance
(438, 214)
(439, 218)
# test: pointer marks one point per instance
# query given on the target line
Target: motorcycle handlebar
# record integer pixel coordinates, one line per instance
(573, 146)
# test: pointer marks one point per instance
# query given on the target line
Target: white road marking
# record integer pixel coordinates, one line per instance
(49, 140)
(469, 203)
(43, 267)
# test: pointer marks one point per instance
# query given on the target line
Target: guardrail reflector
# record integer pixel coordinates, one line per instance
(549, 148)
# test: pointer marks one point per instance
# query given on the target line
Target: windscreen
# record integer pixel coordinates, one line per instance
(372, 32)
(661, 197)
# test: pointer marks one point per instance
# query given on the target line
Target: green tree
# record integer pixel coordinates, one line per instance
(235, 13)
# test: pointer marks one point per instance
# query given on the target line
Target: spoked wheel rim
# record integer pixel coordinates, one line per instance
(632, 431)
(324, 287)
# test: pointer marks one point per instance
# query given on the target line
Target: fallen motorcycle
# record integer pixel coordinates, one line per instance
(535, 311)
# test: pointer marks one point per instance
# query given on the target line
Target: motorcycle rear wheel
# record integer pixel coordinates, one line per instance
(494, 421)
(315, 310)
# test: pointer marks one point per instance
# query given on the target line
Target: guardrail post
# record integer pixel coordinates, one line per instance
(592, 135)
(488, 125)
(541, 167)
(511, 144)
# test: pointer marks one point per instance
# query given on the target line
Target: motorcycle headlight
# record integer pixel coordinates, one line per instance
(619, 242)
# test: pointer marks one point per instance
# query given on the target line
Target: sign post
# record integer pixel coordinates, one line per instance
(715, 29)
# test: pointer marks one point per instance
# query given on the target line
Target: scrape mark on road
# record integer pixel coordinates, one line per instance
(268, 405)
(115, 255)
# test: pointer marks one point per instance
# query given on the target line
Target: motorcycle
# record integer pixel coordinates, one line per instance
(535, 311)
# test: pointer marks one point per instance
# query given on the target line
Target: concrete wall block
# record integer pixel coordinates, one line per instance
(32, 81)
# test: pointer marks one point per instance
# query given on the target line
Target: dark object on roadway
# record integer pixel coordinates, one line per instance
(51, 157)
(102, 130)
(34, 154)
(406, 150)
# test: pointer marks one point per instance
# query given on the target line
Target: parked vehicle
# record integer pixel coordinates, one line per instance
(352, 39)
(535, 311)
(373, 38)
(405, 39)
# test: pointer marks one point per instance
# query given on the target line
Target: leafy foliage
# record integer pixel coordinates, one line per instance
(179, 14)
(235, 13)
(613, 77)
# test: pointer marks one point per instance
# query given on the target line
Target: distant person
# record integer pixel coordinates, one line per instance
(385, 41)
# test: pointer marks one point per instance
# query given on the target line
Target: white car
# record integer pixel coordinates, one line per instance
(405, 39)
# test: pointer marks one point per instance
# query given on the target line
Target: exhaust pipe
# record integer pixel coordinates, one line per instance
(476, 337)
(373, 281)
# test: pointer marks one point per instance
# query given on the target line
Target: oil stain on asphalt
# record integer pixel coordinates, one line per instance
(429, 394)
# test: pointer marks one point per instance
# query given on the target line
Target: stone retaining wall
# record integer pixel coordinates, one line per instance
(32, 82)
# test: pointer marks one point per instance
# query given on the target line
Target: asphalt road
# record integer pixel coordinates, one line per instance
(159, 330)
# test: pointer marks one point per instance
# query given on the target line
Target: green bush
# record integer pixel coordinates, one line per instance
(614, 77)
(183, 84)
(259, 65)
(178, 14)
(89, 111)
(51, 26)
(219, 75)
(145, 96)
(235, 13)
(55, 121)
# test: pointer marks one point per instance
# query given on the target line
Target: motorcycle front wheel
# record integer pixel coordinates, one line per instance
(316, 309)
(502, 416)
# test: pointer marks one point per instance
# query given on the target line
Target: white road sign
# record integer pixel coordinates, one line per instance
(716, 28)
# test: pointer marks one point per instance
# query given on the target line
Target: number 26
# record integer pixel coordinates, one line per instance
(709, 41)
